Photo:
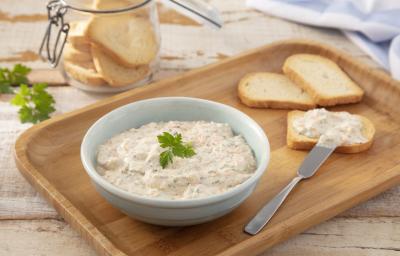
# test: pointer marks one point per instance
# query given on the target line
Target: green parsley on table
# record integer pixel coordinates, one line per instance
(174, 147)
(35, 103)
(16, 76)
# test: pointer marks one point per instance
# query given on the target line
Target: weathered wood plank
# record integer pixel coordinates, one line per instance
(346, 237)
(386, 204)
(18, 200)
(340, 236)
(41, 237)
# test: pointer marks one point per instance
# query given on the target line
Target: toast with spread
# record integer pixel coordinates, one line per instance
(301, 142)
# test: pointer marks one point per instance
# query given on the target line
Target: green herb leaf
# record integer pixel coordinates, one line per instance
(183, 151)
(175, 147)
(166, 157)
(5, 88)
(166, 140)
(16, 76)
(35, 103)
(19, 73)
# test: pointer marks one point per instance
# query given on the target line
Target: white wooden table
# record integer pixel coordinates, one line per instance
(29, 226)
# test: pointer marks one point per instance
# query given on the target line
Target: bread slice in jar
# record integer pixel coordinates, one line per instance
(114, 4)
(120, 4)
(84, 72)
(77, 34)
(300, 142)
(115, 74)
(130, 41)
(271, 90)
(323, 79)
(77, 53)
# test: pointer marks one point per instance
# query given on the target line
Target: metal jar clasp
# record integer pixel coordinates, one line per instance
(56, 33)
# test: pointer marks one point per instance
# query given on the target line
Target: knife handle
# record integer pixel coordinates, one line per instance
(266, 213)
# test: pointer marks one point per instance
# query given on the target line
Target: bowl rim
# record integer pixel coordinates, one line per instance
(179, 203)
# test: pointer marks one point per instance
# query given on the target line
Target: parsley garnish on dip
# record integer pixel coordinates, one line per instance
(175, 147)
(155, 159)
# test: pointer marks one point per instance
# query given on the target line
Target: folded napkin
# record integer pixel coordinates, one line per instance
(373, 25)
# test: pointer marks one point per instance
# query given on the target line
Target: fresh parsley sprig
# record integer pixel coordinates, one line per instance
(174, 147)
(35, 103)
(16, 76)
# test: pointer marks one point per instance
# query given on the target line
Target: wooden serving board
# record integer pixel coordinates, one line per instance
(48, 156)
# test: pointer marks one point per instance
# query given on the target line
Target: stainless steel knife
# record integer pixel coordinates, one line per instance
(308, 168)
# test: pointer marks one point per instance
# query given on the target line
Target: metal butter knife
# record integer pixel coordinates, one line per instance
(308, 168)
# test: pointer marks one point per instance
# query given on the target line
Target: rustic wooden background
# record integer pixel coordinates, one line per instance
(29, 226)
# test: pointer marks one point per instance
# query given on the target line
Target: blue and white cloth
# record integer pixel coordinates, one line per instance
(373, 25)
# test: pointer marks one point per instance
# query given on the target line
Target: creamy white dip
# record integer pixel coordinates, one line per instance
(332, 129)
(223, 160)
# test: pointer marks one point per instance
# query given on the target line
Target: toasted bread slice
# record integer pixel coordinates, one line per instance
(117, 4)
(129, 40)
(297, 141)
(77, 54)
(114, 4)
(78, 33)
(84, 73)
(270, 90)
(115, 74)
(323, 79)
(83, 64)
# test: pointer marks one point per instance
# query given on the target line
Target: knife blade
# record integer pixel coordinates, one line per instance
(308, 168)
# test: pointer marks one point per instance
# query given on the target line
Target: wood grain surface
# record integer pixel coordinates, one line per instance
(344, 181)
(372, 228)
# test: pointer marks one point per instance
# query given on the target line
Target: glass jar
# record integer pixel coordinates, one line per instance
(109, 45)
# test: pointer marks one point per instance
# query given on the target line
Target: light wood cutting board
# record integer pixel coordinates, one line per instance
(48, 156)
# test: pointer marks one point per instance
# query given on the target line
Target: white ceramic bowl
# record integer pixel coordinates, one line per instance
(174, 212)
